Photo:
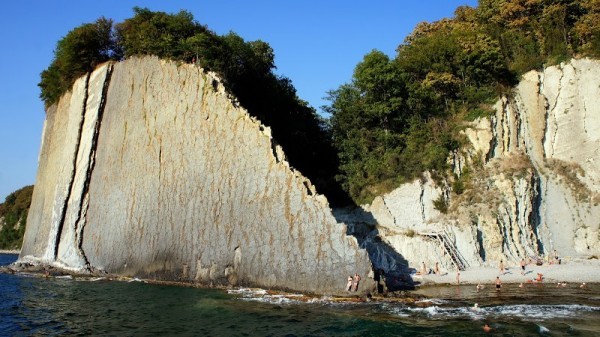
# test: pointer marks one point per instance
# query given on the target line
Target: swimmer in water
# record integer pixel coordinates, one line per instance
(487, 328)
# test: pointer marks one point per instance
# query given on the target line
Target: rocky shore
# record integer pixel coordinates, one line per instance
(573, 272)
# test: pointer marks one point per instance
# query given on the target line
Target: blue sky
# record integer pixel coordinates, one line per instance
(317, 44)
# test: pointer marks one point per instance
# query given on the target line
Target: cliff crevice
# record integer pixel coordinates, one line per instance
(63, 211)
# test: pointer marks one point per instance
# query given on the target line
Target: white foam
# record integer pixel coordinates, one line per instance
(437, 312)
(523, 311)
(68, 277)
(261, 295)
(248, 291)
(432, 301)
(532, 311)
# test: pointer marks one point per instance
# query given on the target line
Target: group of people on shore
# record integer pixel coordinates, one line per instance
(353, 282)
(552, 258)
(424, 270)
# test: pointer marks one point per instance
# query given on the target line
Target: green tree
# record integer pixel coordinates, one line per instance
(158, 33)
(587, 28)
(76, 54)
(13, 214)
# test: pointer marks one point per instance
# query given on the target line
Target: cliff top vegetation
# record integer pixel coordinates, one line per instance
(13, 217)
(400, 117)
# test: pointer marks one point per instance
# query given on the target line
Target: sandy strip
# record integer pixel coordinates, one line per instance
(571, 271)
(4, 251)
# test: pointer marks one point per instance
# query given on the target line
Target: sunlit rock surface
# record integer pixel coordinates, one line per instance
(535, 168)
(148, 169)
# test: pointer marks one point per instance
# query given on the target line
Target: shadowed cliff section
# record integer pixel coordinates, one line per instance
(173, 181)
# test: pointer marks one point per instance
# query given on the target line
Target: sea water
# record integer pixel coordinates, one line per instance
(61, 306)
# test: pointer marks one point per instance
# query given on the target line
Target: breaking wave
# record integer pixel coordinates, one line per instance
(529, 312)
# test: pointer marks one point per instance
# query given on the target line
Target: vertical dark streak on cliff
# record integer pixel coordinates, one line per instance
(546, 115)
(307, 186)
(91, 165)
(506, 127)
(501, 230)
(518, 239)
(494, 141)
(481, 247)
(554, 112)
(74, 170)
(273, 148)
(421, 201)
(160, 161)
(389, 210)
(535, 217)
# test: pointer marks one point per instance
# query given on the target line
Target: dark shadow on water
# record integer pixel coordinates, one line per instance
(391, 270)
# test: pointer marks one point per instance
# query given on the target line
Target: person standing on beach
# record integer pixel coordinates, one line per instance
(437, 268)
(424, 266)
(457, 276)
(349, 284)
(355, 282)
(502, 266)
(498, 283)
(522, 266)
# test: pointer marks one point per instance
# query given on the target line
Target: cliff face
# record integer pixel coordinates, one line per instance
(533, 180)
(148, 169)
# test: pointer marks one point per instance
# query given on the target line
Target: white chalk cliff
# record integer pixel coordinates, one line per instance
(533, 182)
(147, 168)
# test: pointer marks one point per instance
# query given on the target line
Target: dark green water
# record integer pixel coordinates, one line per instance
(48, 307)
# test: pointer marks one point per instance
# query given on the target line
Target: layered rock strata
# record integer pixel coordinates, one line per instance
(532, 175)
(147, 168)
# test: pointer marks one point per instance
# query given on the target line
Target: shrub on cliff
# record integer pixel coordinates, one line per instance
(13, 212)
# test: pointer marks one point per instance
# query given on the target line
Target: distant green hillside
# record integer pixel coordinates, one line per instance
(402, 116)
(13, 217)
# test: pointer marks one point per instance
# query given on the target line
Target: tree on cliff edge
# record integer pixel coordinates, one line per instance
(78, 53)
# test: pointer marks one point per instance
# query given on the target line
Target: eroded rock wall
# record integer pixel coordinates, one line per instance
(148, 169)
(557, 129)
(533, 182)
